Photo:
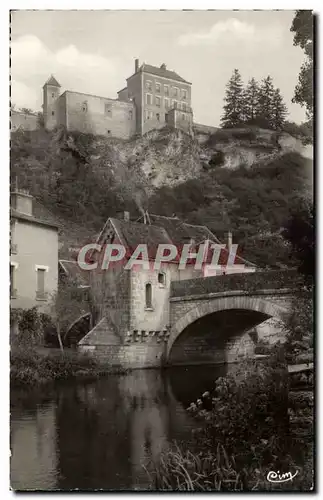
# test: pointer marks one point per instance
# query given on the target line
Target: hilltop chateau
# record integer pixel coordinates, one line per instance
(153, 97)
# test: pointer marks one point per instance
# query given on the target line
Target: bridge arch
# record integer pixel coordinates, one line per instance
(238, 302)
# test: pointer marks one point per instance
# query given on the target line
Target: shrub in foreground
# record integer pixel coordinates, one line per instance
(244, 432)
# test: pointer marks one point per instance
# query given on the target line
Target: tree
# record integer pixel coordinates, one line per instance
(279, 110)
(299, 232)
(27, 111)
(302, 26)
(251, 101)
(233, 107)
(265, 108)
(67, 304)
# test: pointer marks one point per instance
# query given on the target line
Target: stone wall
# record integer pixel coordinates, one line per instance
(240, 281)
(100, 115)
(23, 120)
(141, 353)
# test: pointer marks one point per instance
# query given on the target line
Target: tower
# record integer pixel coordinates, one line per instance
(50, 96)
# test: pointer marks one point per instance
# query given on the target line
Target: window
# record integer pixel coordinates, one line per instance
(175, 92)
(148, 99)
(162, 279)
(149, 85)
(175, 104)
(108, 109)
(184, 94)
(166, 90)
(158, 87)
(183, 116)
(149, 114)
(148, 299)
(13, 291)
(53, 113)
(84, 107)
(130, 114)
(158, 117)
(53, 95)
(157, 101)
(183, 106)
(166, 103)
(40, 291)
(109, 132)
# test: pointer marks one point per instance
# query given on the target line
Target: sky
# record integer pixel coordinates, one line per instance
(94, 52)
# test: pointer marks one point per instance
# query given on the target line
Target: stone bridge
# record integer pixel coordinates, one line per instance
(216, 319)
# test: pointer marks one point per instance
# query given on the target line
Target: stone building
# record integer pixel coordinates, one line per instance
(154, 97)
(133, 304)
(33, 253)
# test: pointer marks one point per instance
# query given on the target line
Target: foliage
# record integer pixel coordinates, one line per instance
(28, 367)
(255, 203)
(251, 98)
(299, 231)
(217, 159)
(279, 111)
(31, 325)
(233, 107)
(302, 27)
(244, 432)
(256, 104)
(67, 304)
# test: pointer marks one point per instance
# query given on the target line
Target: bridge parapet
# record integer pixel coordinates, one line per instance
(249, 282)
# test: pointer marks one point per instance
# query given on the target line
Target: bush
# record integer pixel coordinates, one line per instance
(217, 159)
(31, 326)
(244, 433)
(29, 367)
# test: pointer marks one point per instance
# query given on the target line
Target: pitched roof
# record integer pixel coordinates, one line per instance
(72, 270)
(52, 81)
(162, 72)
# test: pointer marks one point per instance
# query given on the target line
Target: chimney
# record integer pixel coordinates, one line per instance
(229, 240)
(126, 216)
(136, 65)
(163, 66)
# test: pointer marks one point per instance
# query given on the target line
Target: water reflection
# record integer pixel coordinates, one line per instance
(99, 435)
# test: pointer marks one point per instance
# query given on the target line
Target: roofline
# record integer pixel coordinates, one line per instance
(124, 88)
(165, 77)
(94, 95)
(32, 219)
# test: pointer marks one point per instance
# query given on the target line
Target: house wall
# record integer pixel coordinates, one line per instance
(151, 123)
(134, 84)
(35, 245)
(180, 119)
(87, 113)
(158, 318)
(111, 296)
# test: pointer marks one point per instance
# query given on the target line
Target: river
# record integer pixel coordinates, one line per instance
(98, 435)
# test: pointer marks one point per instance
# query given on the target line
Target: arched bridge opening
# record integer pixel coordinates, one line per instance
(221, 330)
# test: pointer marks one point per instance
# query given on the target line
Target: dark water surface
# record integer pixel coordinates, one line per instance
(100, 434)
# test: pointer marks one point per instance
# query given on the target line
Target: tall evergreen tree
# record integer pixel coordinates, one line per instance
(279, 110)
(251, 101)
(233, 107)
(266, 95)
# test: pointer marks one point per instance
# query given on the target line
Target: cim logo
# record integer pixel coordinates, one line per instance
(277, 477)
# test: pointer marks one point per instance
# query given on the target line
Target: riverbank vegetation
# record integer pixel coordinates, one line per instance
(245, 432)
(34, 367)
